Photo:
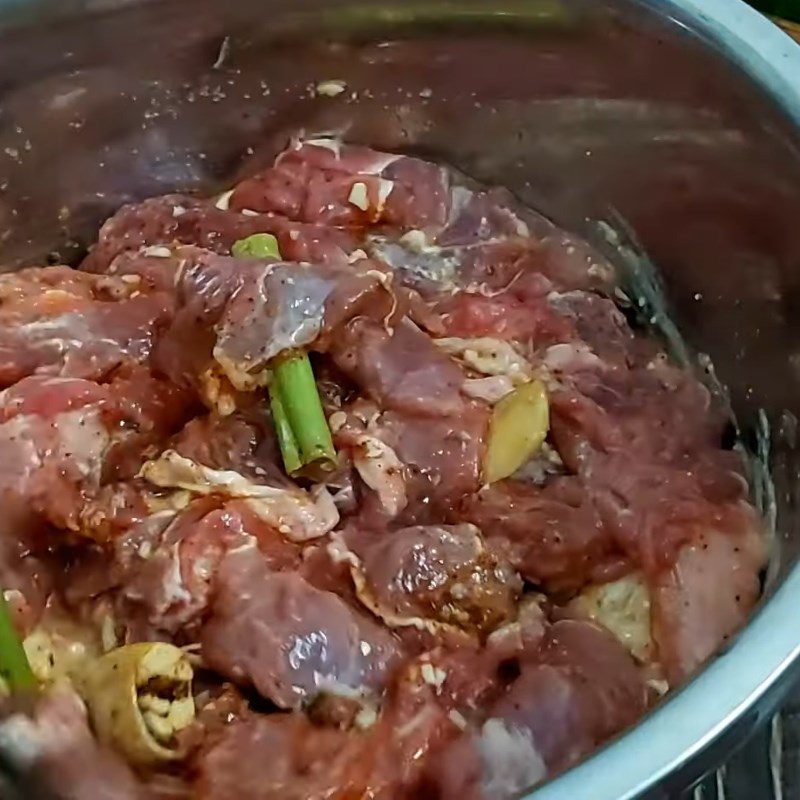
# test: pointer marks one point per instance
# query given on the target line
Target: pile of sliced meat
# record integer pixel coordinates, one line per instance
(397, 629)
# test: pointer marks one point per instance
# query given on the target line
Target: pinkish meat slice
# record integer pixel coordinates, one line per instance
(651, 510)
(433, 575)
(288, 307)
(530, 321)
(554, 535)
(480, 215)
(164, 568)
(480, 236)
(50, 459)
(56, 321)
(601, 325)
(487, 247)
(443, 456)
(439, 457)
(244, 312)
(287, 638)
(657, 413)
(166, 581)
(337, 184)
(27, 567)
(62, 439)
(706, 597)
(143, 410)
(46, 397)
(400, 370)
(180, 219)
(275, 757)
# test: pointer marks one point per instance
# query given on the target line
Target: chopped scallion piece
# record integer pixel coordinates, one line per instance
(283, 431)
(294, 385)
(14, 666)
(259, 245)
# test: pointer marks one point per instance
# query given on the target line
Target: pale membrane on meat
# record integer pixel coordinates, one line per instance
(568, 357)
(622, 606)
(417, 261)
(511, 762)
(491, 389)
(489, 357)
(340, 553)
(291, 298)
(299, 515)
(381, 469)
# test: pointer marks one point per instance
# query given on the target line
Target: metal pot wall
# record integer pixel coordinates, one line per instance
(665, 132)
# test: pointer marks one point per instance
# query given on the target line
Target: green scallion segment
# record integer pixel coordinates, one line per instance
(283, 430)
(259, 245)
(296, 390)
(300, 424)
(14, 666)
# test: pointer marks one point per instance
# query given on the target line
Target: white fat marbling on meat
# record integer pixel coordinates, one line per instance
(156, 251)
(381, 469)
(417, 262)
(224, 200)
(623, 607)
(82, 440)
(358, 196)
(174, 589)
(571, 357)
(384, 190)
(334, 145)
(299, 515)
(491, 389)
(488, 356)
(75, 439)
(511, 762)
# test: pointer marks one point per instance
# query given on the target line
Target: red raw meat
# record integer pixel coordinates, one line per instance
(289, 639)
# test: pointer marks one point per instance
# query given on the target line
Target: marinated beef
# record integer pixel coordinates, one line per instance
(397, 624)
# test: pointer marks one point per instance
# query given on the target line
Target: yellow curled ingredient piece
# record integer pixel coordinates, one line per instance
(517, 430)
(55, 657)
(139, 696)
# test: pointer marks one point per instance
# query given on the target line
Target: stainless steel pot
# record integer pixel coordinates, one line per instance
(668, 129)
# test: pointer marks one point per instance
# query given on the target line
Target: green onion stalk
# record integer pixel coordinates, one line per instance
(300, 425)
(303, 433)
(14, 666)
(259, 245)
